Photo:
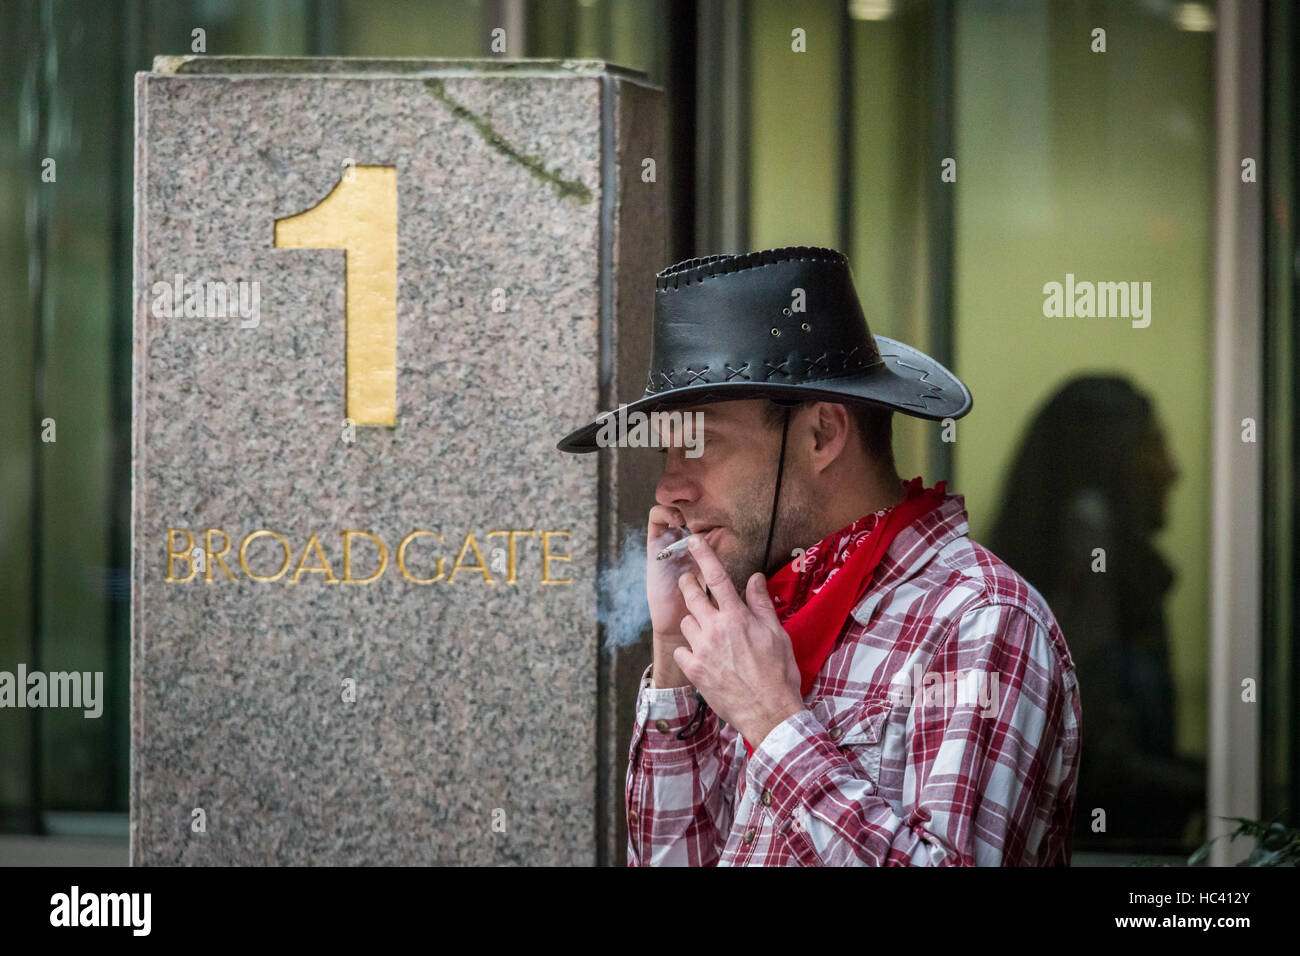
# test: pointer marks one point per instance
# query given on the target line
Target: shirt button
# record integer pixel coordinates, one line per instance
(767, 798)
(749, 836)
(836, 733)
(632, 817)
(661, 725)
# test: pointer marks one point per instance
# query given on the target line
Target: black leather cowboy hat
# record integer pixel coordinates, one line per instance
(784, 324)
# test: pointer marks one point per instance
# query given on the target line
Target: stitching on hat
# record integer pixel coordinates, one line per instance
(776, 368)
(687, 264)
(860, 365)
(848, 355)
(925, 374)
(696, 376)
(699, 269)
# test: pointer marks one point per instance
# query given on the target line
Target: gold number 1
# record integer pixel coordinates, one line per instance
(359, 216)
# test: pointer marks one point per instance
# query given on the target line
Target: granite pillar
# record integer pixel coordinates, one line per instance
(370, 296)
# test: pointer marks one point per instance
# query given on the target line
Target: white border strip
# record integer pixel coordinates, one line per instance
(1235, 544)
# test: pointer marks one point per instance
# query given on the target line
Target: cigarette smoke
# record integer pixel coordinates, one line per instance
(621, 594)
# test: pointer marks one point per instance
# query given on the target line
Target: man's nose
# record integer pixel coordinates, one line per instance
(674, 486)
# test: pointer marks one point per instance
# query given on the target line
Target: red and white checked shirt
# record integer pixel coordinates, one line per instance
(879, 769)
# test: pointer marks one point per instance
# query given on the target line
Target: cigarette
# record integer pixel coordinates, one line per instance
(672, 548)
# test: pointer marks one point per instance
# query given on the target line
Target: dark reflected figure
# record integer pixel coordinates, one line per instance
(1093, 473)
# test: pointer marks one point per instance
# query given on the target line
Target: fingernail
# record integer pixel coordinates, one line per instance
(693, 542)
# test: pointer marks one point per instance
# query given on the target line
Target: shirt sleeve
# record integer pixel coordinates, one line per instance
(980, 782)
(679, 793)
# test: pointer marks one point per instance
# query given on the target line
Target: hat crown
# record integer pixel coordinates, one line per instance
(696, 270)
(782, 316)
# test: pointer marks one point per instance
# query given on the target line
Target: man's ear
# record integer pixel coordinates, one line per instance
(831, 428)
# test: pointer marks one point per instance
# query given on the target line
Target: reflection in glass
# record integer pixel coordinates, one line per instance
(1087, 491)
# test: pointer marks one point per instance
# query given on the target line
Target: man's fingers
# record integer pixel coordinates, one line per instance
(759, 601)
(714, 575)
(685, 661)
(690, 629)
(661, 520)
(696, 599)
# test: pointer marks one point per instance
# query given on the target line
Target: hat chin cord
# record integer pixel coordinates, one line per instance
(776, 494)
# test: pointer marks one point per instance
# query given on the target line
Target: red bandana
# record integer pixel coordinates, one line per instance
(815, 593)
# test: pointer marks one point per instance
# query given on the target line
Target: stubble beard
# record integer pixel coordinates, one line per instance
(795, 522)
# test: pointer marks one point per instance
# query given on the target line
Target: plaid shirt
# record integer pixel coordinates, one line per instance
(895, 760)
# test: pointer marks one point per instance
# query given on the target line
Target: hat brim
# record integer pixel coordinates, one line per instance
(907, 381)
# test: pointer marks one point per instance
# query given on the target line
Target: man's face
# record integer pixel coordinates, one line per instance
(727, 490)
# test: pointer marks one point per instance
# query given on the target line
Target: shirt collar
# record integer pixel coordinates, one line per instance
(914, 548)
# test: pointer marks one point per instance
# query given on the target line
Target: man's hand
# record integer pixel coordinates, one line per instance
(739, 656)
(666, 605)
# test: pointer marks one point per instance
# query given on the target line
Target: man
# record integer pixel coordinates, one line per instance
(840, 675)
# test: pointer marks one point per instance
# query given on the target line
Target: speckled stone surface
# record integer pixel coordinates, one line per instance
(487, 727)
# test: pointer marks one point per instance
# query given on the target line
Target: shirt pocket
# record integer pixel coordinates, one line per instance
(859, 733)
